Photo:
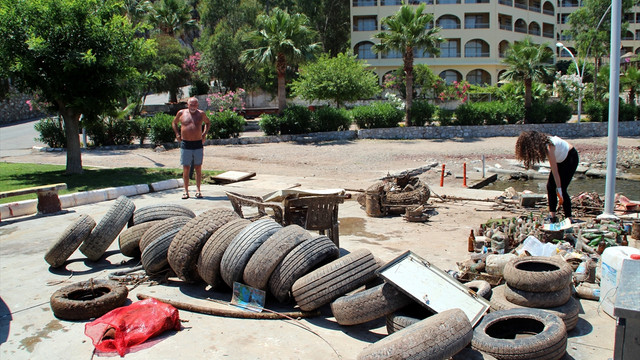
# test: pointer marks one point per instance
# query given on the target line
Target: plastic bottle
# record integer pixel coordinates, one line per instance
(581, 272)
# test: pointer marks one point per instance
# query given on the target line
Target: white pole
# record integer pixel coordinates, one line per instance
(614, 99)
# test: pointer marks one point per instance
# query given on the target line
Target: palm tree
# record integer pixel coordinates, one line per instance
(282, 39)
(631, 80)
(172, 17)
(408, 31)
(528, 62)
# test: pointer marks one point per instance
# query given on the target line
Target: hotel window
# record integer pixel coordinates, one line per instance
(476, 48)
(534, 29)
(364, 50)
(547, 8)
(450, 48)
(569, 3)
(476, 1)
(390, 2)
(449, 76)
(534, 5)
(447, 2)
(505, 22)
(522, 4)
(479, 77)
(448, 22)
(365, 23)
(563, 18)
(476, 21)
(502, 48)
(520, 26)
(365, 3)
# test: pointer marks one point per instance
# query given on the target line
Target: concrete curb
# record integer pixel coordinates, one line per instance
(29, 207)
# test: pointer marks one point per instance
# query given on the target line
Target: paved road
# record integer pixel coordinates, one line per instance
(18, 139)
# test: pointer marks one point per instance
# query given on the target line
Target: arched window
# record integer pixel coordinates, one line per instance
(476, 48)
(534, 29)
(448, 22)
(627, 35)
(520, 26)
(449, 76)
(478, 77)
(548, 8)
(363, 50)
(534, 5)
(504, 45)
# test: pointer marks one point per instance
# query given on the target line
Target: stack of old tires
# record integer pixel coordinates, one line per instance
(531, 313)
(538, 282)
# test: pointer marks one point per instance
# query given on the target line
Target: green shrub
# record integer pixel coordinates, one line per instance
(161, 129)
(225, 124)
(198, 87)
(295, 120)
(377, 115)
(327, 118)
(599, 111)
(105, 130)
(513, 111)
(140, 128)
(473, 113)
(595, 110)
(52, 132)
(445, 116)
(422, 112)
(627, 112)
(536, 113)
(270, 124)
(558, 112)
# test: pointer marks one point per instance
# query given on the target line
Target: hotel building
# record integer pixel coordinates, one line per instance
(477, 33)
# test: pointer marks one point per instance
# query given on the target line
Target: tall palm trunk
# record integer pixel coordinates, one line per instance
(71, 130)
(527, 98)
(408, 73)
(281, 68)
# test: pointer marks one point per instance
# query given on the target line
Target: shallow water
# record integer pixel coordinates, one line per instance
(629, 188)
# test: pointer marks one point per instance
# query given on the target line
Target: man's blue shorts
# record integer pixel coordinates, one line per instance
(191, 153)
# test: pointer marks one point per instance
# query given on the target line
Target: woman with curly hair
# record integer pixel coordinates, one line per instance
(533, 147)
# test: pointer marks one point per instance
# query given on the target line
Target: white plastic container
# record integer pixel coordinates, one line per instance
(495, 263)
(612, 258)
(536, 248)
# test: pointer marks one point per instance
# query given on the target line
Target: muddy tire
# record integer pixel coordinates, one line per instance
(159, 212)
(537, 299)
(167, 228)
(243, 246)
(497, 335)
(304, 258)
(69, 241)
(335, 279)
(406, 317)
(269, 255)
(87, 299)
(129, 239)
(186, 245)
(419, 195)
(211, 255)
(538, 273)
(481, 287)
(568, 312)
(437, 337)
(368, 305)
(108, 228)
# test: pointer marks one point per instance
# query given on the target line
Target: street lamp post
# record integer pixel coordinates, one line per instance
(580, 74)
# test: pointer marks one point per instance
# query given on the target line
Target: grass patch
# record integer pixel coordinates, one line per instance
(19, 176)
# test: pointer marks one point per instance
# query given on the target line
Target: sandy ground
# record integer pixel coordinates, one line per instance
(344, 164)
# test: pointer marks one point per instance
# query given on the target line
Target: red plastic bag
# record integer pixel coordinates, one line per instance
(127, 326)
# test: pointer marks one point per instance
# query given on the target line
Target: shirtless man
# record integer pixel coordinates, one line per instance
(191, 136)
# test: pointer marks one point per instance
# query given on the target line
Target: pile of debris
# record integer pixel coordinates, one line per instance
(397, 195)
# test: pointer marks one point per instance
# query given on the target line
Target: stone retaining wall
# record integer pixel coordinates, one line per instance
(15, 108)
(573, 130)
